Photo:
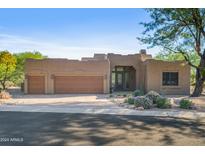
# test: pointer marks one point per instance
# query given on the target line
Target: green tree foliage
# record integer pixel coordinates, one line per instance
(179, 31)
(7, 67)
(169, 56)
(18, 74)
(194, 58)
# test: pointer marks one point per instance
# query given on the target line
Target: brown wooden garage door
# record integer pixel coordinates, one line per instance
(36, 84)
(78, 84)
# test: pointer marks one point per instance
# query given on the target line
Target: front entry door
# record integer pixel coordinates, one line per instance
(119, 81)
(123, 78)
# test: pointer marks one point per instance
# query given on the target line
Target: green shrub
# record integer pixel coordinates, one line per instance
(152, 95)
(111, 95)
(163, 103)
(124, 95)
(138, 93)
(185, 104)
(130, 100)
(125, 100)
(142, 101)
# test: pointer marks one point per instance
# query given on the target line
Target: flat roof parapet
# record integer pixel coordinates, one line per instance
(100, 56)
(163, 61)
(63, 60)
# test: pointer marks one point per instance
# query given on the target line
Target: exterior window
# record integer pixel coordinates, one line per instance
(127, 85)
(119, 78)
(170, 79)
(113, 79)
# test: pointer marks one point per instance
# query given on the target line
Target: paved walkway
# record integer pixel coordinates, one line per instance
(108, 108)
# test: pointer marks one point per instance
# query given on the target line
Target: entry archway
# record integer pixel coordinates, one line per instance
(123, 78)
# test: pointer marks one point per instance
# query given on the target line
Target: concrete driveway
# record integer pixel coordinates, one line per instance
(56, 99)
(76, 103)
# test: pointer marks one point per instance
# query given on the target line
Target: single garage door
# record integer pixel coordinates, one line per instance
(36, 84)
(78, 84)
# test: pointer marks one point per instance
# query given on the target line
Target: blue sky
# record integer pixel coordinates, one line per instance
(72, 33)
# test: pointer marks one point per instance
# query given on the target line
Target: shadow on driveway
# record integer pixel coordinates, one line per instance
(88, 129)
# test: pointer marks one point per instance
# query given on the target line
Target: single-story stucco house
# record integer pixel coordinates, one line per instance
(104, 73)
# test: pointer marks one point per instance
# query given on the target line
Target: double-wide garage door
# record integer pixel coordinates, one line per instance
(67, 84)
(78, 84)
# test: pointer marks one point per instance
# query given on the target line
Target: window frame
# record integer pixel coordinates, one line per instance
(165, 84)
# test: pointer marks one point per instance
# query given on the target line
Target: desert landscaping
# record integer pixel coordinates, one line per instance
(152, 101)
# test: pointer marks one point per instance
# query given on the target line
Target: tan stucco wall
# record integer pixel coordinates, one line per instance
(148, 71)
(50, 67)
(154, 69)
(135, 60)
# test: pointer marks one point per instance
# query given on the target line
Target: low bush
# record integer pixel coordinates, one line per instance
(129, 95)
(142, 101)
(152, 95)
(138, 93)
(4, 95)
(163, 103)
(185, 104)
(125, 100)
(130, 100)
(124, 95)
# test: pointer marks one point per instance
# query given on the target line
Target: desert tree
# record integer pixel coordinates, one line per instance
(179, 31)
(18, 75)
(7, 67)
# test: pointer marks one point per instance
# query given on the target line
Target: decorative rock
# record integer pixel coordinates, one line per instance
(121, 104)
(193, 107)
(140, 108)
(131, 107)
(120, 96)
(127, 105)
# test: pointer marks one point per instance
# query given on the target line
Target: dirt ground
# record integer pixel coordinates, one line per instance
(199, 102)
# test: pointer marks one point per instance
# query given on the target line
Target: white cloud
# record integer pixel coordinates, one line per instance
(15, 43)
(19, 44)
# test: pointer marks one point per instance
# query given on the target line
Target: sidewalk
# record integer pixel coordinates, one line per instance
(107, 109)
